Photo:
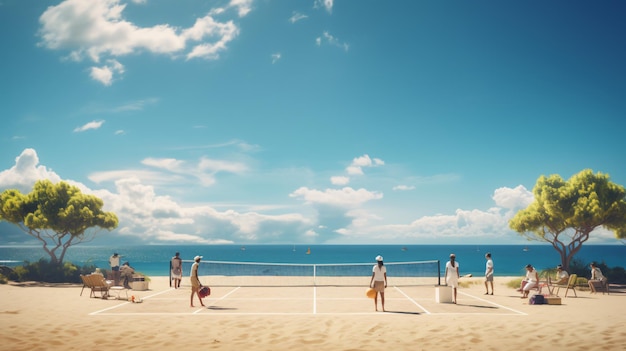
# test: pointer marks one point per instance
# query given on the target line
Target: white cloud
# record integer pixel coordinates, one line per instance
(326, 4)
(513, 199)
(297, 17)
(97, 29)
(105, 73)
(275, 57)
(344, 215)
(403, 187)
(26, 172)
(331, 40)
(346, 197)
(356, 167)
(146, 217)
(173, 171)
(88, 126)
(243, 6)
(137, 105)
(339, 180)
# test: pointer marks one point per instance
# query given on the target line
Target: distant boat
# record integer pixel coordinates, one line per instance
(294, 248)
(525, 248)
(308, 251)
(404, 248)
(243, 248)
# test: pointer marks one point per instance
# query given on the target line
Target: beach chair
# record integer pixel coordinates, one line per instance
(601, 285)
(85, 281)
(96, 283)
(571, 285)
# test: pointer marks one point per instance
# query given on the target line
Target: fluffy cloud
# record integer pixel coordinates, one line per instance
(97, 29)
(146, 217)
(345, 215)
(345, 198)
(25, 173)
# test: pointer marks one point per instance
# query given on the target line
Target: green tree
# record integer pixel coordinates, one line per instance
(58, 215)
(564, 213)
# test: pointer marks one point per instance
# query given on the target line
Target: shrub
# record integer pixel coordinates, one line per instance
(3, 279)
(44, 271)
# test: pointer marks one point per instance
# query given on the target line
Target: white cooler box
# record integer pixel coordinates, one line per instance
(443, 294)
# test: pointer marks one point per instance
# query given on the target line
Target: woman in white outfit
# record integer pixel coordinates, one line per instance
(379, 281)
(452, 274)
(530, 282)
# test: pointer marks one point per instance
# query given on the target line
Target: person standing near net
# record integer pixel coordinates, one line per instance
(488, 273)
(379, 281)
(176, 270)
(452, 274)
(114, 263)
(195, 281)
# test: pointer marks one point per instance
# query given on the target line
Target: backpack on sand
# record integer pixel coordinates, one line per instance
(536, 300)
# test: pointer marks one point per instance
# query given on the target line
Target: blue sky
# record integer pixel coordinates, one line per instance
(266, 121)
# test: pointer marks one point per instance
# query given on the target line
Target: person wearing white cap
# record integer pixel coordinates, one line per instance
(452, 274)
(562, 277)
(195, 281)
(379, 281)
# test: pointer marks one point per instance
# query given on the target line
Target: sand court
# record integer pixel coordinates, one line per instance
(303, 300)
(35, 316)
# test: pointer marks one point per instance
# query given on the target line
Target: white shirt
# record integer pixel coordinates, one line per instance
(379, 273)
(489, 265)
(531, 276)
(114, 261)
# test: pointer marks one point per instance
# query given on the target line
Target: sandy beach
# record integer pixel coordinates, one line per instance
(37, 316)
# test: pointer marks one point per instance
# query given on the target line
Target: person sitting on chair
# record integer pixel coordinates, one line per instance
(530, 282)
(562, 277)
(126, 274)
(597, 279)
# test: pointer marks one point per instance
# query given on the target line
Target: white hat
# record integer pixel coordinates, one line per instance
(379, 258)
(197, 258)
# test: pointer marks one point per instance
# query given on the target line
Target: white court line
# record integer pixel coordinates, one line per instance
(127, 302)
(220, 299)
(410, 299)
(101, 312)
(493, 303)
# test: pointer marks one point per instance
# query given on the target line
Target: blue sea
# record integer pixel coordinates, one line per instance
(153, 260)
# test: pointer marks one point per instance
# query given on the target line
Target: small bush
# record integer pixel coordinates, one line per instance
(3, 279)
(44, 271)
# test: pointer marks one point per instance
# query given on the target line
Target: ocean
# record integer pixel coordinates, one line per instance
(153, 260)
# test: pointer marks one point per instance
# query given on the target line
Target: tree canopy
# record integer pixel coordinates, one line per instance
(58, 215)
(564, 213)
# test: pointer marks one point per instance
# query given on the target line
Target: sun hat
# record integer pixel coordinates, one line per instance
(197, 258)
(529, 266)
(452, 255)
(379, 258)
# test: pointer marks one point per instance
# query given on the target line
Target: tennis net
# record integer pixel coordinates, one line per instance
(335, 274)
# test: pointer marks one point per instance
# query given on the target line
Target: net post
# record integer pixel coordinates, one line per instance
(314, 274)
(438, 272)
